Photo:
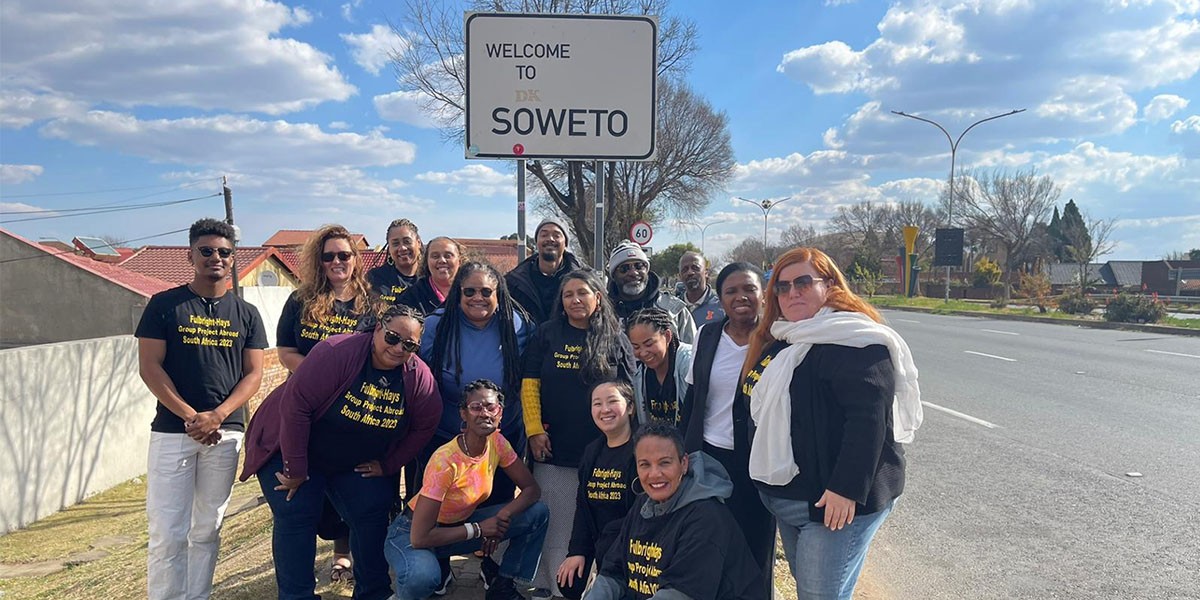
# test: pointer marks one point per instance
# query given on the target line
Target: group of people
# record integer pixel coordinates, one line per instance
(588, 434)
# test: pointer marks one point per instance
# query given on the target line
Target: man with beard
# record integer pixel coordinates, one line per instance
(632, 287)
(534, 282)
(700, 298)
(200, 352)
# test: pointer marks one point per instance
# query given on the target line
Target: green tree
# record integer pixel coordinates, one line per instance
(1194, 254)
(666, 263)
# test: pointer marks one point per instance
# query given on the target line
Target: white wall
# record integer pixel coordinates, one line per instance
(74, 420)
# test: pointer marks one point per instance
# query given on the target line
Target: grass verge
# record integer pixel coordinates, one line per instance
(940, 306)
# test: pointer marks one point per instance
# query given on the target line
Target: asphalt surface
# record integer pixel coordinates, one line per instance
(1026, 493)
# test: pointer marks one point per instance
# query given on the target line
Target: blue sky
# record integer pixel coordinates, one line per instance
(298, 105)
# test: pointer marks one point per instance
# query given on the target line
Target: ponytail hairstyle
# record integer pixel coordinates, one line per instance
(839, 298)
(419, 250)
(446, 339)
(660, 321)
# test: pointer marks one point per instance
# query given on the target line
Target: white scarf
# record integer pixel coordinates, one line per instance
(771, 459)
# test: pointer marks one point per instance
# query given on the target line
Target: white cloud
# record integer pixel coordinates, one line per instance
(1163, 106)
(348, 10)
(188, 53)
(231, 142)
(373, 50)
(1186, 133)
(1121, 180)
(19, 108)
(338, 125)
(13, 174)
(405, 107)
(473, 180)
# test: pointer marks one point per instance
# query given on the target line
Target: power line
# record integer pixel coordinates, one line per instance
(80, 193)
(97, 211)
(114, 244)
(115, 203)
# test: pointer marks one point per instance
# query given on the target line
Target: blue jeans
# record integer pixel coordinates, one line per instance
(825, 563)
(417, 570)
(363, 503)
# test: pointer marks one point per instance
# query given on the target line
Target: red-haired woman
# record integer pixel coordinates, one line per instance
(832, 391)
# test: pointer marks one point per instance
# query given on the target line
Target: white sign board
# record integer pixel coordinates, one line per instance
(560, 86)
(641, 233)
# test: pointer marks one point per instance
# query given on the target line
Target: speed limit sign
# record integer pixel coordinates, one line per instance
(641, 233)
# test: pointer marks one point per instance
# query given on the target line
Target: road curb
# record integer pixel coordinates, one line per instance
(1164, 329)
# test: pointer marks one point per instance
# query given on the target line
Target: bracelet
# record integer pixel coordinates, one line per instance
(478, 530)
(470, 532)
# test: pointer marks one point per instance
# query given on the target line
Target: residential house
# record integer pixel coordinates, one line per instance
(257, 266)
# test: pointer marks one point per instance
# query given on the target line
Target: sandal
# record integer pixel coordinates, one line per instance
(342, 570)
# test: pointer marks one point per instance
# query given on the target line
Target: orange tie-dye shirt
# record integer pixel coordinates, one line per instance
(460, 482)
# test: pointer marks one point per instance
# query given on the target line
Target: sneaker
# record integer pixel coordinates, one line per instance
(503, 589)
(488, 571)
(447, 577)
(542, 594)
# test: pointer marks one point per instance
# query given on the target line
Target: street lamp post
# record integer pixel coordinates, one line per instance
(704, 229)
(765, 206)
(953, 153)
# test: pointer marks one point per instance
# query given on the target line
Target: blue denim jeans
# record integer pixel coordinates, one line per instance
(363, 503)
(417, 570)
(825, 563)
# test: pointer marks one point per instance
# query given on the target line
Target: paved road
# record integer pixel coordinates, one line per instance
(1024, 493)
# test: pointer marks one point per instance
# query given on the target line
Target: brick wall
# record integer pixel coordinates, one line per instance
(274, 374)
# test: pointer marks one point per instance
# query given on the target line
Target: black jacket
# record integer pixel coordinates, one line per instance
(524, 291)
(842, 428)
(421, 297)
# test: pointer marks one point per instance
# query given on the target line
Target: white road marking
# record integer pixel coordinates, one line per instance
(990, 356)
(962, 416)
(907, 321)
(1173, 353)
(1000, 332)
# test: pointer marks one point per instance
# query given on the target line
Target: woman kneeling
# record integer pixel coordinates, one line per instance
(443, 519)
(679, 542)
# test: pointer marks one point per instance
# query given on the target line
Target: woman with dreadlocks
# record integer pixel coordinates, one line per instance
(659, 383)
(480, 333)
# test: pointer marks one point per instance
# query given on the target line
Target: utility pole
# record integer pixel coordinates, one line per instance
(237, 290)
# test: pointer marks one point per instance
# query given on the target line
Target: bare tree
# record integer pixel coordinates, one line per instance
(694, 154)
(798, 235)
(1007, 207)
(1086, 244)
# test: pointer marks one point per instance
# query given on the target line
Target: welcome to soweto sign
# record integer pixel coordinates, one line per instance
(561, 86)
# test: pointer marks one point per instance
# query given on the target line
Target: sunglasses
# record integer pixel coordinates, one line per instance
(801, 283)
(206, 252)
(483, 291)
(342, 256)
(392, 338)
(480, 408)
(636, 265)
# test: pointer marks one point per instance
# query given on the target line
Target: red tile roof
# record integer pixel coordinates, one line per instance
(135, 282)
(170, 263)
(501, 253)
(294, 238)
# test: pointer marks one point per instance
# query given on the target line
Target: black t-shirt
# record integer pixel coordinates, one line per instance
(662, 403)
(205, 339)
(389, 283)
(361, 423)
(546, 286)
(553, 356)
(696, 549)
(604, 498)
(294, 332)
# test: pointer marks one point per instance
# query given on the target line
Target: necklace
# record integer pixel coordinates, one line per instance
(462, 444)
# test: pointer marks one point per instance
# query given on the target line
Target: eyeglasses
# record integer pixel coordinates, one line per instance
(636, 265)
(392, 338)
(480, 408)
(801, 283)
(206, 251)
(342, 256)
(483, 291)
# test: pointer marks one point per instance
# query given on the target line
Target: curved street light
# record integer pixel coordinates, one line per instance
(765, 206)
(953, 153)
(703, 230)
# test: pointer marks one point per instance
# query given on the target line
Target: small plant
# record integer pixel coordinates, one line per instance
(868, 279)
(1036, 287)
(1133, 308)
(1075, 303)
(986, 274)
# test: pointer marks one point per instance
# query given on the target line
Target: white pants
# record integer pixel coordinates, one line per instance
(188, 486)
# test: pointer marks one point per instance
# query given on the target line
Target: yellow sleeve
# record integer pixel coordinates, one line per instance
(531, 401)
